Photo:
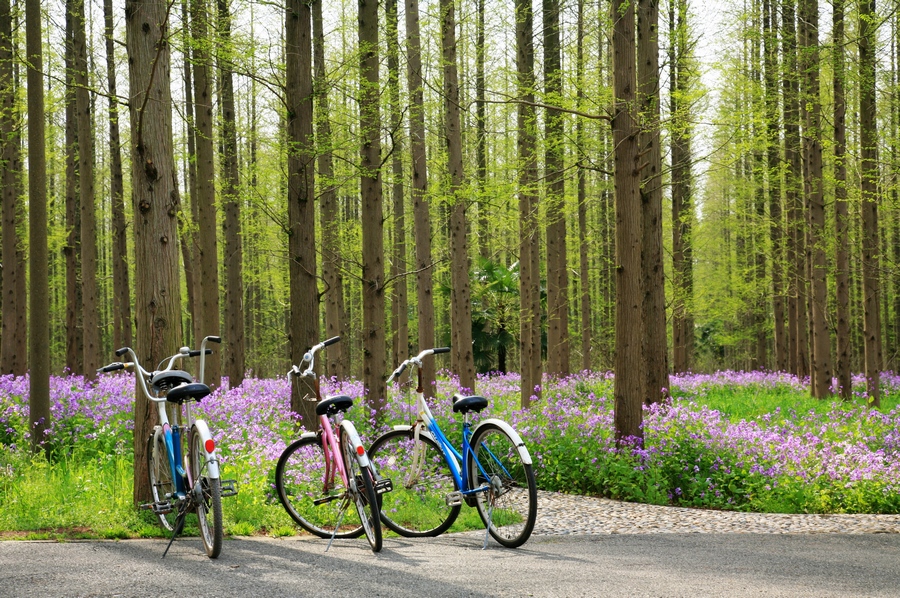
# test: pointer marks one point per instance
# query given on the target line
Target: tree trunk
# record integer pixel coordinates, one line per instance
(630, 383)
(156, 206)
(399, 294)
(231, 191)
(39, 287)
(554, 165)
(337, 359)
(206, 188)
(13, 340)
(656, 356)
(421, 213)
(89, 289)
(484, 207)
(460, 296)
(188, 234)
(304, 309)
(122, 328)
(821, 342)
(529, 237)
(841, 209)
(374, 362)
(72, 249)
(584, 271)
(868, 140)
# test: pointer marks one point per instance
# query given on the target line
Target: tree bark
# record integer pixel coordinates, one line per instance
(304, 309)
(421, 213)
(72, 249)
(529, 236)
(155, 207)
(656, 356)
(374, 361)
(841, 208)
(234, 352)
(630, 383)
(584, 272)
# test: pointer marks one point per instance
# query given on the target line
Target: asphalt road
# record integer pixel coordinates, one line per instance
(454, 565)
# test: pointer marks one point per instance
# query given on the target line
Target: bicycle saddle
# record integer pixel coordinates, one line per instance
(333, 405)
(164, 381)
(463, 404)
(193, 390)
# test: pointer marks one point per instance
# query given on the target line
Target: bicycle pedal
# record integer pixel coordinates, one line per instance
(384, 485)
(228, 488)
(454, 499)
(158, 508)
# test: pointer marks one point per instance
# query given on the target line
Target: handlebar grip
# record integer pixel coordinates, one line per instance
(121, 352)
(196, 352)
(442, 350)
(331, 341)
(213, 339)
(111, 368)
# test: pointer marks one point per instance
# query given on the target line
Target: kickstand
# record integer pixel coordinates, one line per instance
(337, 525)
(176, 529)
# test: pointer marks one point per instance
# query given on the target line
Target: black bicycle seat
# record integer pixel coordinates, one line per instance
(193, 390)
(463, 404)
(166, 380)
(333, 405)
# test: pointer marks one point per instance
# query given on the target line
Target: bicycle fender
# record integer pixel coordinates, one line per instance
(213, 462)
(517, 440)
(350, 430)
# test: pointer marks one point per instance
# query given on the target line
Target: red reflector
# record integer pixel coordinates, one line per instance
(360, 450)
(209, 445)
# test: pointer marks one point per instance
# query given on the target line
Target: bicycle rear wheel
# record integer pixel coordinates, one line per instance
(509, 504)
(417, 505)
(207, 498)
(161, 485)
(314, 500)
(362, 492)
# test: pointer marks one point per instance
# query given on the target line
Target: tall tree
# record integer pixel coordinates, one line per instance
(871, 247)
(122, 328)
(630, 383)
(584, 271)
(72, 249)
(841, 207)
(190, 240)
(89, 288)
(680, 73)
(205, 199)
(421, 210)
(653, 274)
(155, 207)
(374, 360)
(554, 164)
(481, 134)
(304, 309)
(529, 236)
(460, 294)
(821, 342)
(234, 365)
(337, 359)
(39, 300)
(14, 335)
(399, 294)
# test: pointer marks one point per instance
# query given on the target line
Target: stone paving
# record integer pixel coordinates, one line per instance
(563, 514)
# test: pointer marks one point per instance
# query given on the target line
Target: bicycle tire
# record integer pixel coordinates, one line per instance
(509, 507)
(362, 492)
(300, 482)
(162, 487)
(207, 498)
(417, 506)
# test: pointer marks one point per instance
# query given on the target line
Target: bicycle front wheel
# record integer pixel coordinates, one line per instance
(508, 503)
(162, 488)
(362, 492)
(311, 493)
(417, 505)
(207, 495)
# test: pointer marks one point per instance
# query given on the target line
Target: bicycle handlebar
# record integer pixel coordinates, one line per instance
(309, 358)
(415, 361)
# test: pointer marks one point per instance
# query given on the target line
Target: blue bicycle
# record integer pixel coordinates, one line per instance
(431, 478)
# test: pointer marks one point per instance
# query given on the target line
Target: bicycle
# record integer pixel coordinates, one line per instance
(182, 479)
(320, 474)
(431, 478)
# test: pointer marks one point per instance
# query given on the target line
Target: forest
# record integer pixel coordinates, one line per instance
(644, 187)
